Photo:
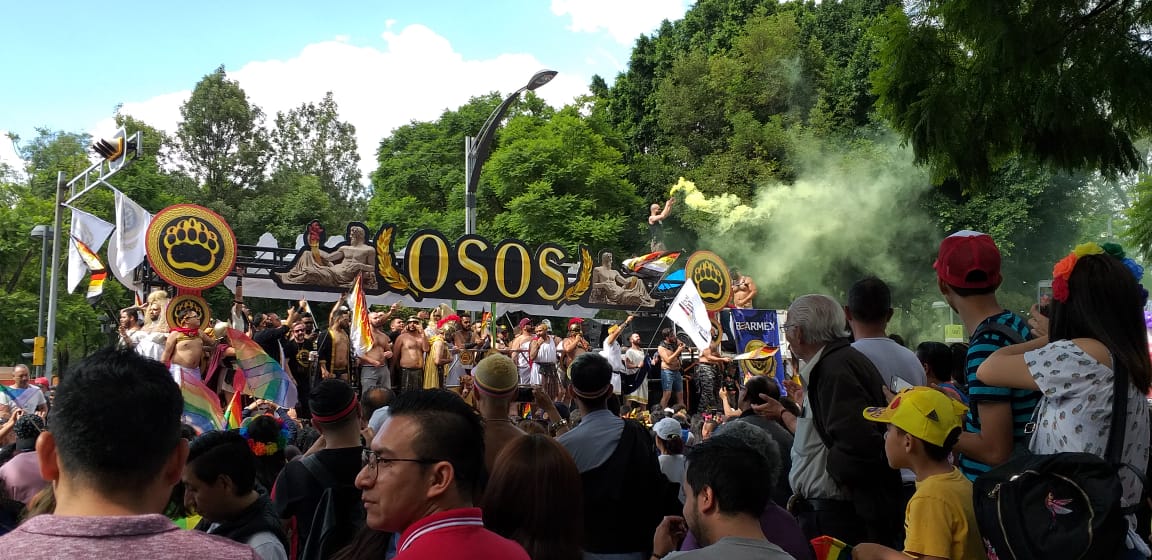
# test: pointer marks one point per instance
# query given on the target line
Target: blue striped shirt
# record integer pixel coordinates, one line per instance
(1023, 402)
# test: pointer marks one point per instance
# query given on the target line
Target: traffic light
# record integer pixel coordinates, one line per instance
(37, 353)
(114, 150)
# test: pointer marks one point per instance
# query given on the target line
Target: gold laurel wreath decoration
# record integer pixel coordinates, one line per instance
(583, 280)
(395, 279)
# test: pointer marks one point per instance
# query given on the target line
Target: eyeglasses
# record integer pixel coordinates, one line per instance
(372, 460)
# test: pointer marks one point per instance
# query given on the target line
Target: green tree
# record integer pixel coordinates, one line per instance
(223, 140)
(970, 84)
(312, 140)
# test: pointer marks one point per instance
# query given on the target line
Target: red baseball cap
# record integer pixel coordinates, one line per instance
(968, 259)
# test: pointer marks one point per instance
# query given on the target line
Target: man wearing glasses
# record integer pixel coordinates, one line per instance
(422, 476)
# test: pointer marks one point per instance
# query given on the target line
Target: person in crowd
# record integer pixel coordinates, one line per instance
(185, 347)
(708, 371)
(743, 290)
(268, 438)
(220, 484)
(335, 344)
(20, 476)
(634, 358)
(301, 354)
(573, 345)
(726, 496)
(759, 391)
(296, 493)
(670, 445)
(519, 350)
(368, 544)
(543, 353)
(408, 352)
(960, 365)
(424, 471)
(374, 370)
(923, 424)
(534, 497)
(656, 218)
(708, 428)
(968, 275)
(869, 310)
(778, 525)
(937, 360)
(1096, 328)
(611, 352)
(496, 381)
(22, 394)
(671, 374)
(616, 463)
(129, 333)
(841, 482)
(113, 452)
(375, 406)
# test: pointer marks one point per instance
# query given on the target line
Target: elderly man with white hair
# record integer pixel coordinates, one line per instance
(840, 478)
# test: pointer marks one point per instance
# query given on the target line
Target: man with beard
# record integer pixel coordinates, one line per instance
(271, 332)
(374, 371)
(574, 345)
(300, 350)
(336, 348)
(408, 354)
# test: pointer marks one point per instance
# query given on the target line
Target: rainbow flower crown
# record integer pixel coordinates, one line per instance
(1063, 269)
(262, 449)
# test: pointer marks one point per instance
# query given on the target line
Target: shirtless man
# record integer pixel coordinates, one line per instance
(184, 350)
(656, 224)
(671, 378)
(374, 371)
(336, 347)
(408, 355)
(743, 290)
(574, 345)
(708, 373)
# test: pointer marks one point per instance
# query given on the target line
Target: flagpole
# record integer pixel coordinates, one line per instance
(50, 343)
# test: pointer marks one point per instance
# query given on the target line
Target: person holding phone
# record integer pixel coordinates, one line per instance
(671, 374)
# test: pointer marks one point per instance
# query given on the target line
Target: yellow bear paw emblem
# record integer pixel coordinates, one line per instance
(709, 281)
(191, 245)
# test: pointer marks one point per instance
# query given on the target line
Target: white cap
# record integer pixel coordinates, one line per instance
(667, 428)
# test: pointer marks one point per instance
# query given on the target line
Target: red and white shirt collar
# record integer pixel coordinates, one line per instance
(463, 517)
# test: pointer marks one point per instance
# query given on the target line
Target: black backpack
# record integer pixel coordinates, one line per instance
(338, 517)
(1053, 507)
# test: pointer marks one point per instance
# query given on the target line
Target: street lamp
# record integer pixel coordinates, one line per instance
(44, 234)
(476, 148)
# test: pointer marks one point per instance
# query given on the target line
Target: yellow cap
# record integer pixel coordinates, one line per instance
(924, 412)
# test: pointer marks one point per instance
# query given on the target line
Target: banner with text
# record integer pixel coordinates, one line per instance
(754, 329)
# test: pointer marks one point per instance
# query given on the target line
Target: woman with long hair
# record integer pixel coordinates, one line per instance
(937, 359)
(1096, 325)
(535, 497)
(268, 438)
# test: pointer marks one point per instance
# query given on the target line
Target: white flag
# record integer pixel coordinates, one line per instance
(93, 232)
(131, 231)
(125, 279)
(689, 313)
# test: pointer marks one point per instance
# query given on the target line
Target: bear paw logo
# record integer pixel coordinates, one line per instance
(190, 244)
(709, 281)
(186, 305)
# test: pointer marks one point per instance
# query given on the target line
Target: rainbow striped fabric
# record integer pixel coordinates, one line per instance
(262, 376)
(201, 405)
(22, 398)
(654, 262)
(829, 548)
(92, 261)
(360, 330)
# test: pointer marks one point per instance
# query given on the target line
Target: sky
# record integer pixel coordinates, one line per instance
(68, 64)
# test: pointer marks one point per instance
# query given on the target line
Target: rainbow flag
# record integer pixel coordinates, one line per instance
(234, 414)
(201, 405)
(360, 329)
(263, 377)
(22, 398)
(829, 548)
(657, 262)
(92, 261)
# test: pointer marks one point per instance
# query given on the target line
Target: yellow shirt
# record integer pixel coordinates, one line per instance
(940, 520)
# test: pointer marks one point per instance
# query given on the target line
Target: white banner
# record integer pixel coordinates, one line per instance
(689, 313)
(93, 232)
(131, 231)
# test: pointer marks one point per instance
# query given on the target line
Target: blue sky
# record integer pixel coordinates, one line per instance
(67, 64)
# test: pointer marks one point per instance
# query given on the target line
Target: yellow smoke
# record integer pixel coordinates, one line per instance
(727, 208)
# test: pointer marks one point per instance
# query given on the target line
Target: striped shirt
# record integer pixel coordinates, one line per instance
(982, 344)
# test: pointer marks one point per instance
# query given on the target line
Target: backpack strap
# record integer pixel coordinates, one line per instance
(319, 471)
(1012, 335)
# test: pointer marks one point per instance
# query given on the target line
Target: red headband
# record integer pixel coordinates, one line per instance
(592, 394)
(347, 410)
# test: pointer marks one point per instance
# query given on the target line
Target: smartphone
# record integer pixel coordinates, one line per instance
(898, 384)
(1044, 297)
(524, 394)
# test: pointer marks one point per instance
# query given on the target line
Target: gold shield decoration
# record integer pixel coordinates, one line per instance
(190, 247)
(766, 366)
(712, 279)
(195, 303)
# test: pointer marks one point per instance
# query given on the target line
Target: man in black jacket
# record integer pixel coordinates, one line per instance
(840, 478)
(220, 484)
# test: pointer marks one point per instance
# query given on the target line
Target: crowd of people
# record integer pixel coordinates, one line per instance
(443, 441)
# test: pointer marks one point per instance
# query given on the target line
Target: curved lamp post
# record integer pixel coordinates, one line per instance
(477, 148)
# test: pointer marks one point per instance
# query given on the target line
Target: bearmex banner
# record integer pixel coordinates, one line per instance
(754, 329)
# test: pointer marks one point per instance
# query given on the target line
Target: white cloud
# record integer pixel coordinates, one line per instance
(624, 20)
(9, 156)
(415, 76)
